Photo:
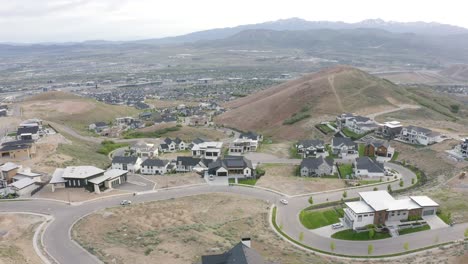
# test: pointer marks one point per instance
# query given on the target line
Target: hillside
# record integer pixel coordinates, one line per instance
(328, 92)
(457, 72)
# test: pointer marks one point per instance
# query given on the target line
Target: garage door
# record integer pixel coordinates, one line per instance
(428, 212)
(222, 173)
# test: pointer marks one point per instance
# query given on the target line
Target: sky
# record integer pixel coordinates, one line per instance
(32, 21)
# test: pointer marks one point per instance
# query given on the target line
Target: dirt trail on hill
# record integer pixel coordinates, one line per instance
(331, 81)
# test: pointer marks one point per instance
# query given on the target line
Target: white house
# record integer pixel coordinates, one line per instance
(231, 167)
(419, 135)
(24, 186)
(379, 208)
(242, 145)
(355, 123)
(145, 150)
(367, 167)
(131, 164)
(154, 166)
(207, 150)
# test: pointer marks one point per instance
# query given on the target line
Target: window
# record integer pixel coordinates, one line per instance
(359, 218)
(371, 215)
(365, 215)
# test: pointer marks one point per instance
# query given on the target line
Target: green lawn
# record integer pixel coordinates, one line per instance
(244, 181)
(361, 150)
(153, 134)
(345, 169)
(351, 134)
(446, 217)
(365, 182)
(413, 230)
(395, 156)
(349, 234)
(325, 128)
(107, 146)
(316, 219)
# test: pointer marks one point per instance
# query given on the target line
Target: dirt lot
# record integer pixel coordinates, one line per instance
(280, 177)
(180, 231)
(173, 180)
(16, 235)
(280, 150)
(188, 133)
(76, 195)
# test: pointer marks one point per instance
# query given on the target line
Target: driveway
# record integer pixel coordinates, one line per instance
(435, 222)
(326, 231)
(136, 183)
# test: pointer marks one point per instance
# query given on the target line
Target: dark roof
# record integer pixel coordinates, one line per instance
(27, 130)
(18, 142)
(198, 141)
(188, 161)
(164, 146)
(338, 141)
(239, 254)
(371, 165)
(419, 129)
(177, 140)
(361, 119)
(14, 147)
(168, 141)
(100, 124)
(250, 134)
(230, 162)
(378, 143)
(155, 162)
(311, 143)
(314, 163)
(124, 160)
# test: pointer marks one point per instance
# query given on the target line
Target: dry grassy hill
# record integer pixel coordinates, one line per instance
(328, 92)
(457, 72)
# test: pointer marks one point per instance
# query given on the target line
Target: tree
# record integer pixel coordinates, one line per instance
(345, 194)
(406, 246)
(376, 189)
(466, 232)
(412, 181)
(332, 246)
(311, 200)
(371, 233)
(370, 249)
(389, 188)
(401, 183)
(301, 236)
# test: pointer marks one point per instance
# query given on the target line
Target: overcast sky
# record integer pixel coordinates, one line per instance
(78, 20)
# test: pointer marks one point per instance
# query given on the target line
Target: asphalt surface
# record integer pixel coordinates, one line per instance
(58, 243)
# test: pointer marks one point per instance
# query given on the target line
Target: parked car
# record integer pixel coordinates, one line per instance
(337, 225)
(284, 201)
(211, 177)
(125, 202)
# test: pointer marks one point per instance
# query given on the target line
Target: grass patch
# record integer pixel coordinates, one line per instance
(296, 118)
(107, 146)
(316, 219)
(325, 129)
(351, 134)
(413, 230)
(395, 156)
(345, 169)
(366, 182)
(154, 134)
(293, 154)
(445, 216)
(244, 181)
(349, 234)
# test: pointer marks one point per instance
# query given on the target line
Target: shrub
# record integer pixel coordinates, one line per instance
(389, 188)
(345, 194)
(371, 233)
(311, 200)
(370, 249)
(406, 246)
(401, 183)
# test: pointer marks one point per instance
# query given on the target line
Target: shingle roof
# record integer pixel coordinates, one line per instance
(27, 130)
(311, 143)
(342, 141)
(124, 160)
(250, 134)
(188, 161)
(239, 254)
(371, 165)
(168, 141)
(154, 162)
(314, 163)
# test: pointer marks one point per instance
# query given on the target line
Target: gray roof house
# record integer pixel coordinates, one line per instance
(242, 253)
(317, 167)
(310, 147)
(154, 166)
(187, 164)
(343, 146)
(129, 163)
(367, 167)
(235, 166)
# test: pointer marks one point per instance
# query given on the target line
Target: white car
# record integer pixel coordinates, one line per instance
(337, 225)
(284, 201)
(211, 177)
(125, 202)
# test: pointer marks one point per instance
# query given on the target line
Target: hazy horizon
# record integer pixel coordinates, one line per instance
(29, 21)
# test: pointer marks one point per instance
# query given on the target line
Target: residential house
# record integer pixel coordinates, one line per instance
(28, 133)
(379, 148)
(355, 123)
(241, 253)
(207, 150)
(145, 150)
(88, 177)
(419, 135)
(170, 145)
(310, 147)
(154, 166)
(317, 167)
(251, 135)
(131, 164)
(188, 164)
(463, 148)
(98, 127)
(232, 167)
(343, 147)
(390, 129)
(198, 120)
(242, 145)
(380, 208)
(8, 171)
(367, 167)
(18, 150)
(24, 186)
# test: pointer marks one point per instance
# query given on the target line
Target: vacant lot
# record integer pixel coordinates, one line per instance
(281, 177)
(16, 235)
(180, 231)
(187, 133)
(173, 180)
(73, 194)
(280, 150)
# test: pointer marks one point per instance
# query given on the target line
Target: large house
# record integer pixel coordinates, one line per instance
(98, 127)
(246, 142)
(251, 135)
(154, 166)
(379, 148)
(367, 167)
(419, 135)
(380, 208)
(343, 146)
(170, 145)
(131, 164)
(28, 133)
(242, 253)
(357, 124)
(145, 150)
(207, 149)
(11, 173)
(390, 129)
(91, 178)
(188, 164)
(19, 150)
(231, 166)
(316, 167)
(310, 147)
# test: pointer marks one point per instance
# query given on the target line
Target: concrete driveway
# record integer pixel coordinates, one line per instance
(326, 231)
(136, 183)
(435, 222)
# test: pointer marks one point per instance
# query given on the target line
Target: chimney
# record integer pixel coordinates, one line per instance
(246, 241)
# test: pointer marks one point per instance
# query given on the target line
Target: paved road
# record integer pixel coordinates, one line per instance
(62, 248)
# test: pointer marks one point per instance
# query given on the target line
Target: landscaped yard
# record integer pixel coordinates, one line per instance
(413, 230)
(325, 128)
(315, 219)
(351, 134)
(365, 182)
(244, 181)
(350, 234)
(345, 169)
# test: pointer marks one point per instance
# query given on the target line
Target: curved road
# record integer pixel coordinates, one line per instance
(58, 243)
